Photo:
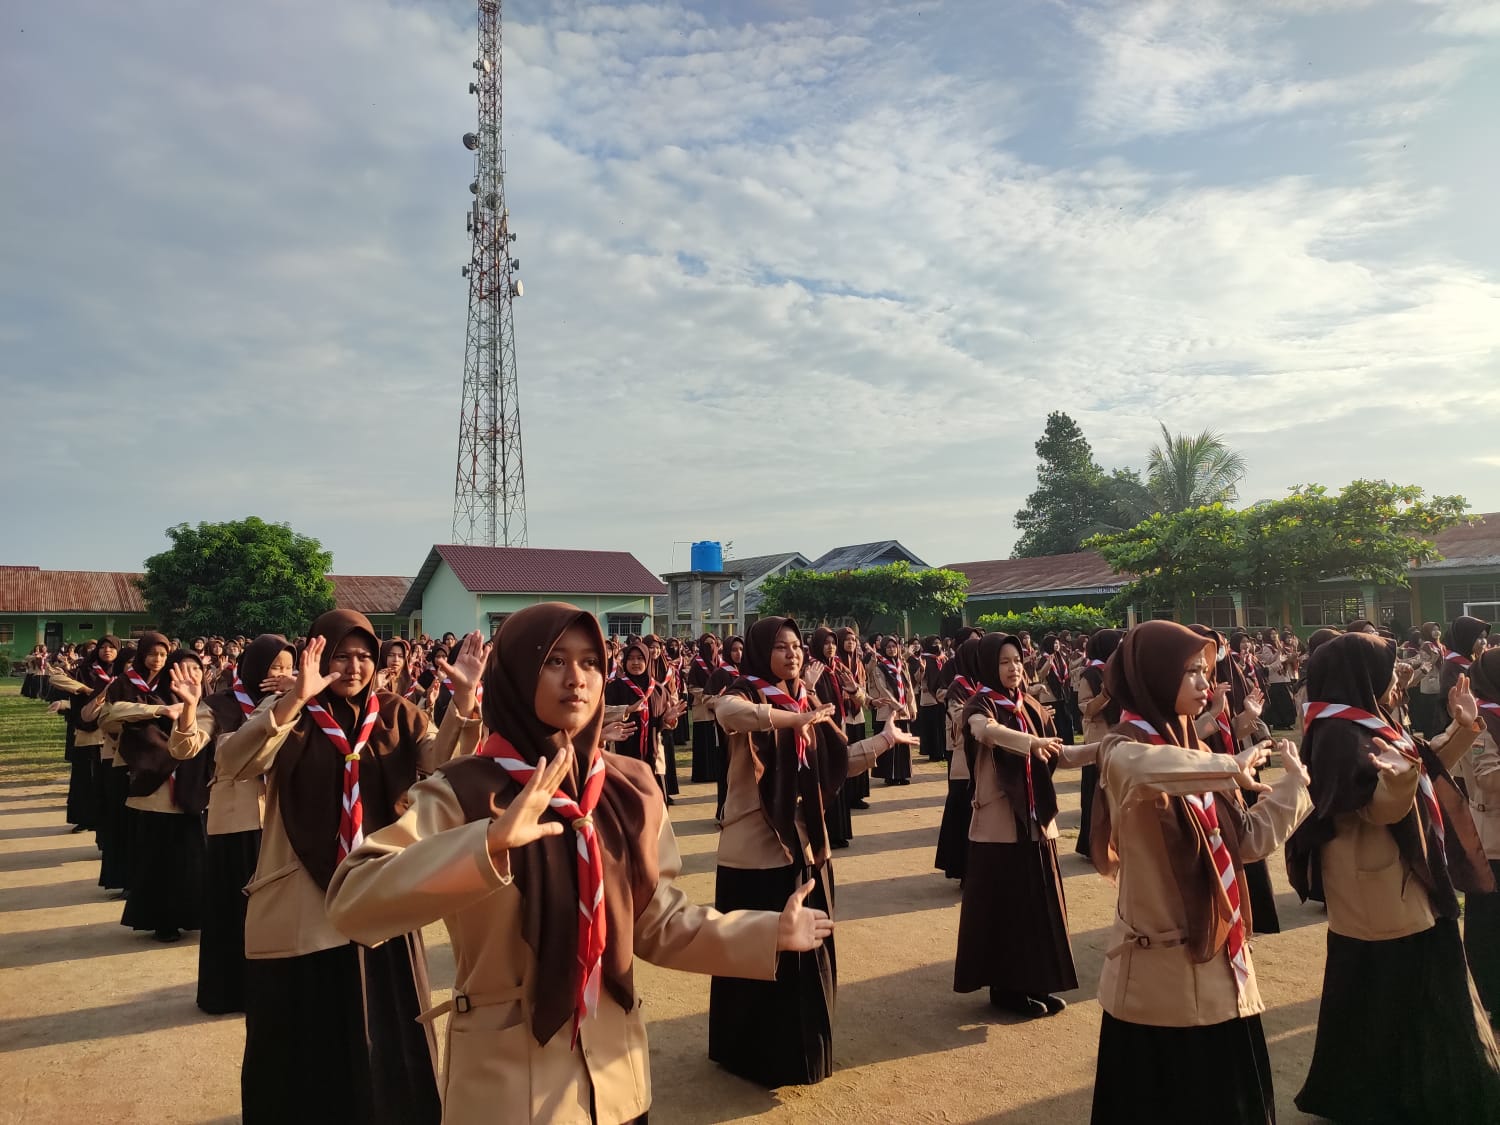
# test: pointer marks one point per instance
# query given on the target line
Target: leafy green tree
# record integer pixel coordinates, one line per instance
(1050, 618)
(863, 595)
(1189, 471)
(1371, 531)
(1074, 499)
(246, 576)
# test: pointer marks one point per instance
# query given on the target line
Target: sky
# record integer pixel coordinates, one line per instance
(797, 274)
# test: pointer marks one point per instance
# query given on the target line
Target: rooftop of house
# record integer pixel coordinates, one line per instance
(1080, 572)
(535, 570)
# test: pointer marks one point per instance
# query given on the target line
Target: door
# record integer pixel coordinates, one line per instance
(52, 636)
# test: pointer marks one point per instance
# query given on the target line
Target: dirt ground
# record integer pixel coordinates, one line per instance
(97, 1024)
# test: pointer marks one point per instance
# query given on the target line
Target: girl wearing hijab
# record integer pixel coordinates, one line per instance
(330, 1028)
(113, 788)
(851, 675)
(724, 675)
(821, 674)
(929, 707)
(705, 730)
(87, 682)
(1481, 770)
(1051, 685)
(645, 703)
(553, 866)
(1099, 712)
(166, 848)
(1181, 1032)
(1013, 926)
(1395, 972)
(1466, 640)
(892, 698)
(953, 833)
(235, 809)
(394, 675)
(666, 674)
(787, 760)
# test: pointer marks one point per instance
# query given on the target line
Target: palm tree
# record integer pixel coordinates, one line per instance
(1191, 471)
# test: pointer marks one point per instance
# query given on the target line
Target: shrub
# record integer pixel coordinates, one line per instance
(1049, 619)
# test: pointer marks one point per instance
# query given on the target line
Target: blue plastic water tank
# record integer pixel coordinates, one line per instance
(708, 555)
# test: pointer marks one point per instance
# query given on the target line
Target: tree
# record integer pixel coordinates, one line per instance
(863, 595)
(1073, 498)
(242, 577)
(1191, 471)
(1371, 531)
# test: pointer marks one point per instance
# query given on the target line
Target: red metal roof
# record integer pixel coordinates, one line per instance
(33, 590)
(1082, 570)
(1473, 544)
(537, 570)
(369, 593)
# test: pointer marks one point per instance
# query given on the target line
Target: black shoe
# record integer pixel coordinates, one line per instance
(167, 935)
(1053, 1004)
(1017, 1002)
(77, 828)
(890, 781)
(859, 804)
(904, 781)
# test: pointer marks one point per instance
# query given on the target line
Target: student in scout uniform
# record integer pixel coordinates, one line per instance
(553, 865)
(893, 700)
(1181, 1036)
(338, 758)
(953, 833)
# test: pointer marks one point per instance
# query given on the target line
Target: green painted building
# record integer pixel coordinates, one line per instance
(462, 588)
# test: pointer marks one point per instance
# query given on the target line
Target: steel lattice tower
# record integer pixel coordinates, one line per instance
(489, 492)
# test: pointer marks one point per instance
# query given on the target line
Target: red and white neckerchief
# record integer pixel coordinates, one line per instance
(1226, 731)
(102, 673)
(247, 705)
(725, 666)
(1095, 664)
(135, 678)
(643, 722)
(1458, 658)
(898, 680)
(352, 818)
(702, 665)
(777, 696)
(592, 928)
(1312, 711)
(1014, 706)
(963, 684)
(1207, 814)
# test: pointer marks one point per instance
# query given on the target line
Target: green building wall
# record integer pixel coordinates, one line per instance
(449, 608)
(27, 630)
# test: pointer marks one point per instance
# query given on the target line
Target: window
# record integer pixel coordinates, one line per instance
(1257, 613)
(624, 624)
(7, 632)
(1216, 612)
(1455, 597)
(384, 632)
(1331, 607)
(83, 627)
(141, 630)
(1393, 610)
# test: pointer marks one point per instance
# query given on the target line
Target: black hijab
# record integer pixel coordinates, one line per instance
(1010, 769)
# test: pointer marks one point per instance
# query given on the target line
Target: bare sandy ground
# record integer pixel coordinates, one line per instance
(97, 1024)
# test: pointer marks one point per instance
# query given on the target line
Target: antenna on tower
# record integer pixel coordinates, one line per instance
(489, 490)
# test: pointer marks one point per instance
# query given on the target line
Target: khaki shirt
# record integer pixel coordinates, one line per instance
(233, 806)
(994, 819)
(1480, 769)
(432, 864)
(285, 916)
(112, 719)
(1148, 977)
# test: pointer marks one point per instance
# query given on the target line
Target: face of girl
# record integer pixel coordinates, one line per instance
(105, 654)
(786, 656)
(353, 662)
(155, 658)
(1012, 668)
(216, 649)
(830, 651)
(890, 649)
(1480, 644)
(851, 644)
(571, 682)
(281, 666)
(635, 663)
(1192, 693)
(395, 660)
(736, 653)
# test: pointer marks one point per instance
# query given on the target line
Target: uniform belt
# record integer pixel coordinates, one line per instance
(463, 1002)
(1135, 940)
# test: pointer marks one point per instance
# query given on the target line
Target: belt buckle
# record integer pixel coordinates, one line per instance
(461, 1003)
(1142, 941)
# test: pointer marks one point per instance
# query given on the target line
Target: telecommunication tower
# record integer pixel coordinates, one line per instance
(489, 492)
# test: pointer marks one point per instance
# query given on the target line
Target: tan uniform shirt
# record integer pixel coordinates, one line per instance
(747, 840)
(112, 719)
(233, 806)
(285, 916)
(1148, 977)
(994, 819)
(1481, 772)
(431, 864)
(79, 691)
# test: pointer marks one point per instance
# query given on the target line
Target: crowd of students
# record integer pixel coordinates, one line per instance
(310, 805)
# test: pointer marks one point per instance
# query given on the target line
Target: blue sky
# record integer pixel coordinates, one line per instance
(796, 274)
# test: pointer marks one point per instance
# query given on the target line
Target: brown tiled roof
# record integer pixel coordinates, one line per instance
(1080, 571)
(369, 593)
(536, 570)
(1476, 544)
(33, 590)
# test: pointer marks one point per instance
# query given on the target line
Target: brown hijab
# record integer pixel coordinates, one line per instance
(310, 770)
(791, 797)
(1010, 768)
(628, 818)
(254, 665)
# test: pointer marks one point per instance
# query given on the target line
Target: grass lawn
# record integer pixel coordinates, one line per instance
(31, 739)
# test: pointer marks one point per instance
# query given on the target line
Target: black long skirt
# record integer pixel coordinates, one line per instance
(1482, 944)
(1180, 1075)
(894, 766)
(310, 1015)
(1406, 1011)
(1262, 898)
(705, 734)
(953, 834)
(166, 872)
(114, 829)
(775, 1033)
(1088, 785)
(930, 723)
(229, 863)
(1013, 924)
(1281, 709)
(838, 821)
(669, 752)
(857, 788)
(83, 804)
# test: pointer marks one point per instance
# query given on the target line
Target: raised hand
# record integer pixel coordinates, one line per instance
(1291, 759)
(520, 823)
(1255, 702)
(1045, 749)
(465, 671)
(1389, 760)
(184, 687)
(618, 731)
(1461, 702)
(802, 928)
(896, 736)
(1216, 701)
(1255, 757)
(280, 684)
(311, 681)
